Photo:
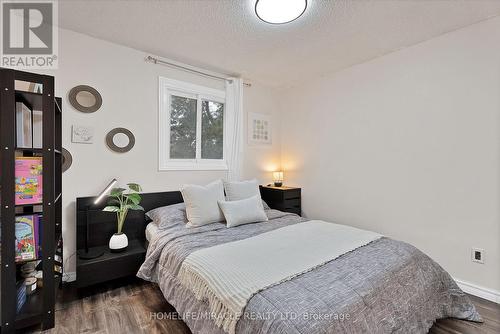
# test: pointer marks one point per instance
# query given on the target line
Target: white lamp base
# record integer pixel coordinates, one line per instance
(118, 242)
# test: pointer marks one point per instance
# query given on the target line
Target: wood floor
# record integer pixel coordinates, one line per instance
(126, 306)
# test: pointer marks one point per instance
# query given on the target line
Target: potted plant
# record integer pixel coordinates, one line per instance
(122, 200)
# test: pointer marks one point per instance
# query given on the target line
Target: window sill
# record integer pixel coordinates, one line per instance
(202, 167)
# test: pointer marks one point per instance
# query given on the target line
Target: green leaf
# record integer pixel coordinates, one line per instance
(135, 198)
(134, 187)
(113, 201)
(111, 209)
(135, 207)
(117, 191)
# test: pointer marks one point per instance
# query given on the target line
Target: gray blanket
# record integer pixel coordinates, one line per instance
(386, 286)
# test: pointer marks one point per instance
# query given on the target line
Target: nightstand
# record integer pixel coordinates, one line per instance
(101, 226)
(110, 265)
(285, 199)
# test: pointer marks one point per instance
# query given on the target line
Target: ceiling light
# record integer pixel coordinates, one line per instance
(280, 11)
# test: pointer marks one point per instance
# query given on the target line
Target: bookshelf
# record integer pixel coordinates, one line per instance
(30, 198)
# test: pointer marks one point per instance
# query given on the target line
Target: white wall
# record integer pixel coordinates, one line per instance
(129, 88)
(261, 160)
(407, 145)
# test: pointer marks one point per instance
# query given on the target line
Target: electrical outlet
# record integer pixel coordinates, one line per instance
(477, 255)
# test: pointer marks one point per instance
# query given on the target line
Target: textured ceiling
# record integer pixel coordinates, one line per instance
(226, 35)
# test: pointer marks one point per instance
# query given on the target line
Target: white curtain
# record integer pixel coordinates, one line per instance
(234, 137)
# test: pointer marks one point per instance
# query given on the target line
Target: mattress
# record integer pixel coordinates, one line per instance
(151, 230)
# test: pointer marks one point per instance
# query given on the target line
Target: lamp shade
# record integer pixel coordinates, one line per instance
(278, 178)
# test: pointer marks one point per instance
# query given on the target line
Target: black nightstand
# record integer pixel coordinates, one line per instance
(110, 265)
(102, 225)
(285, 199)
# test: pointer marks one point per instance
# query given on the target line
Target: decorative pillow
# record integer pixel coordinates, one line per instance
(245, 211)
(236, 191)
(201, 203)
(169, 214)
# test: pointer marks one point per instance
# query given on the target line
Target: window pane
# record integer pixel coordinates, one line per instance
(212, 130)
(182, 128)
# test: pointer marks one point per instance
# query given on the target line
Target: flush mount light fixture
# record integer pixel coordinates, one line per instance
(279, 11)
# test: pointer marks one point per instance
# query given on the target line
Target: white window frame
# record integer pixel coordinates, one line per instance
(167, 87)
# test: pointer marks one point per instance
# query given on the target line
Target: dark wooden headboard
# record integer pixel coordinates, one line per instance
(102, 225)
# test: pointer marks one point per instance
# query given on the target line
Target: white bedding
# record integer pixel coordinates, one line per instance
(228, 275)
(151, 230)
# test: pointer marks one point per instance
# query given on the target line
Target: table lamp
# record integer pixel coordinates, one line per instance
(87, 253)
(278, 178)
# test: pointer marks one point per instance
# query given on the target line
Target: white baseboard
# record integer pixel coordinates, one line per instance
(69, 277)
(479, 291)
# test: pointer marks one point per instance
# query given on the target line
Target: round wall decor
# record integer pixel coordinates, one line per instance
(67, 160)
(85, 99)
(120, 140)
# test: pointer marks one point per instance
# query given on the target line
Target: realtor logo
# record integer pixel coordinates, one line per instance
(29, 34)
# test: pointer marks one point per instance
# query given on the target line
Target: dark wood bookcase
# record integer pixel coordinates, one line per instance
(36, 92)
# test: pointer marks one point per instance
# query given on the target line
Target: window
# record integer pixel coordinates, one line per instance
(193, 125)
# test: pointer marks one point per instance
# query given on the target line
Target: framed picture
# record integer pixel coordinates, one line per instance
(259, 129)
(82, 134)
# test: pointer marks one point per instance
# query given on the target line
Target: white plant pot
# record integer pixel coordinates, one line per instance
(118, 242)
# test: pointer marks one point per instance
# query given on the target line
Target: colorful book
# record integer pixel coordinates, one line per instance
(26, 247)
(28, 180)
(37, 219)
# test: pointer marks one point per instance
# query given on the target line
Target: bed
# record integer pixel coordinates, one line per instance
(384, 286)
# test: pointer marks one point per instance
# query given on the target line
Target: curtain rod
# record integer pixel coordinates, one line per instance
(191, 69)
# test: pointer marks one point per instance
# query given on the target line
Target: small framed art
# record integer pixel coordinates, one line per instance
(82, 134)
(259, 129)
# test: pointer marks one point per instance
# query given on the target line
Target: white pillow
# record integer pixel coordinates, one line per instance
(236, 191)
(245, 211)
(201, 203)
